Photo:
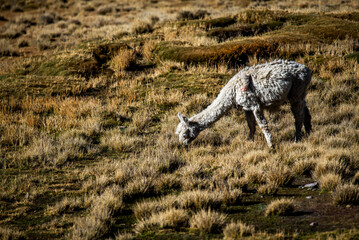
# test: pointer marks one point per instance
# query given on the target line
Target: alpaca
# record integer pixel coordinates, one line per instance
(264, 86)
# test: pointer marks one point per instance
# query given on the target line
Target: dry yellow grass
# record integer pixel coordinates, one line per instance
(122, 61)
(346, 194)
(171, 218)
(329, 181)
(280, 207)
(237, 230)
(208, 221)
(86, 144)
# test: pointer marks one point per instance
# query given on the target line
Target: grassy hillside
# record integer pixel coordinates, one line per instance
(89, 96)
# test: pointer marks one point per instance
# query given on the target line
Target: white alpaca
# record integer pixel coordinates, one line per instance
(264, 86)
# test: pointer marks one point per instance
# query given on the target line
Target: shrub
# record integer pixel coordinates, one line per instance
(280, 207)
(237, 230)
(346, 194)
(208, 221)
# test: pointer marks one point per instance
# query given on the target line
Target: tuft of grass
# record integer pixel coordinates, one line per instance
(142, 28)
(122, 61)
(114, 139)
(6, 49)
(125, 236)
(171, 218)
(270, 188)
(148, 48)
(103, 10)
(208, 221)
(280, 207)
(145, 209)
(99, 219)
(139, 187)
(329, 181)
(47, 19)
(254, 174)
(346, 194)
(237, 230)
(65, 205)
(280, 175)
(22, 43)
(328, 166)
(355, 179)
(9, 234)
(47, 151)
(200, 199)
(304, 167)
(188, 15)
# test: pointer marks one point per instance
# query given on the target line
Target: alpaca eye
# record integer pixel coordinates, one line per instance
(186, 134)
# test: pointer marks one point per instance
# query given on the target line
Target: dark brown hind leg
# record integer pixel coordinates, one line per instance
(251, 121)
(307, 120)
(298, 112)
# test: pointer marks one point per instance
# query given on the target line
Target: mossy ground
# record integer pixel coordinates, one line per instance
(54, 97)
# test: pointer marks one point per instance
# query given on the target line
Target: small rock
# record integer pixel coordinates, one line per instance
(313, 224)
(311, 185)
(308, 197)
(348, 206)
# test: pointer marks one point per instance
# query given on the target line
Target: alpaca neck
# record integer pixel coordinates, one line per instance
(220, 106)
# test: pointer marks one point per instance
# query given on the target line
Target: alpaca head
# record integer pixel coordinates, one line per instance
(186, 130)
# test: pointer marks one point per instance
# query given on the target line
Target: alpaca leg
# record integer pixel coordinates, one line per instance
(251, 121)
(262, 122)
(307, 120)
(298, 112)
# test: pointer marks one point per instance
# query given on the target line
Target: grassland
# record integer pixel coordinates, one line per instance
(89, 95)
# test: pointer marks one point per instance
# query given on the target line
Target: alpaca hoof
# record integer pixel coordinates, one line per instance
(271, 146)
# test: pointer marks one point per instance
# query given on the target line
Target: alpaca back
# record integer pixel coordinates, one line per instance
(275, 82)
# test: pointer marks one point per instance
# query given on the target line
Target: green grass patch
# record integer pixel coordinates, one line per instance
(298, 28)
(208, 23)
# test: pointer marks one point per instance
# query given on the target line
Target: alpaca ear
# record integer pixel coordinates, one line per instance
(182, 118)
